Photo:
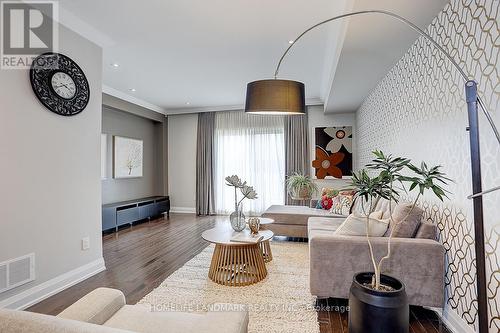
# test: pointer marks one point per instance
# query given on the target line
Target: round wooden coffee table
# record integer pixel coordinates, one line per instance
(233, 263)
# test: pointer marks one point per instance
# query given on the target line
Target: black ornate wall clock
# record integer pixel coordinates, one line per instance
(59, 83)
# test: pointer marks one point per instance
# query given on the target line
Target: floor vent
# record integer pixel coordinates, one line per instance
(16, 272)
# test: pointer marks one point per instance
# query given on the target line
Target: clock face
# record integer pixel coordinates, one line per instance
(63, 85)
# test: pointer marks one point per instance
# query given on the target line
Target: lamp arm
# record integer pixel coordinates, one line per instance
(376, 11)
(421, 33)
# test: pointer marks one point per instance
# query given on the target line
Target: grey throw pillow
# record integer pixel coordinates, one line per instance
(407, 228)
(427, 230)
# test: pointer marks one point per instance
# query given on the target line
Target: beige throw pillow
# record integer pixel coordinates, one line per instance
(355, 225)
(341, 204)
(427, 230)
(408, 227)
(373, 215)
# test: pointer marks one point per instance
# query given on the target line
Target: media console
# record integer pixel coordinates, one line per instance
(126, 212)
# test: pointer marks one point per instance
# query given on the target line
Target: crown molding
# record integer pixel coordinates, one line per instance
(314, 101)
(309, 102)
(205, 109)
(132, 99)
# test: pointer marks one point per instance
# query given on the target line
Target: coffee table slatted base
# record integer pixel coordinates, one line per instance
(238, 265)
(265, 247)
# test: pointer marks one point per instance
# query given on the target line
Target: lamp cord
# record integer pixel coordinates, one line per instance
(429, 39)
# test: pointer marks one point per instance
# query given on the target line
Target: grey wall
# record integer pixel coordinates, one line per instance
(50, 189)
(115, 122)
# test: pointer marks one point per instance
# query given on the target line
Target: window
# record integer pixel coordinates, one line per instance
(252, 147)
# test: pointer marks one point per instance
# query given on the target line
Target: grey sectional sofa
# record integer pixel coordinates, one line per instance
(291, 221)
(334, 259)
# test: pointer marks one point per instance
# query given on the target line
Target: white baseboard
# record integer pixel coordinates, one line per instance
(53, 286)
(453, 321)
(183, 210)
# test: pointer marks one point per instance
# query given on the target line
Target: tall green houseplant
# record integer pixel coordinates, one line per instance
(386, 177)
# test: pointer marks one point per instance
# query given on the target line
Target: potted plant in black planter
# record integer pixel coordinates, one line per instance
(378, 302)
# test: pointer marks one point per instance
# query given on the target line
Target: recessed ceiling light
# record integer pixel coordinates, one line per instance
(290, 42)
(187, 103)
(132, 89)
(115, 65)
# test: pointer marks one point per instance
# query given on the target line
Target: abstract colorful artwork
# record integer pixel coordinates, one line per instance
(333, 152)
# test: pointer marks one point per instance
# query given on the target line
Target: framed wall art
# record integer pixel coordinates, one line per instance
(333, 152)
(127, 157)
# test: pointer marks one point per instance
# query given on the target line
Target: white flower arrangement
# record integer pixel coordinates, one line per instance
(247, 191)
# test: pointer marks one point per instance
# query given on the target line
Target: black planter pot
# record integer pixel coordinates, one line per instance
(373, 311)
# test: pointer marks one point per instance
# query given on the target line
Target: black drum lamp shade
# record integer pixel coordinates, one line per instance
(276, 97)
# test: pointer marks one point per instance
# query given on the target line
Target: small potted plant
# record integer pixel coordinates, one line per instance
(377, 300)
(300, 187)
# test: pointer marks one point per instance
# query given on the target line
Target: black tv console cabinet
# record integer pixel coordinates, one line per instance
(126, 212)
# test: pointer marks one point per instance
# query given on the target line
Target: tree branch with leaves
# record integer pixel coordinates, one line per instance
(391, 174)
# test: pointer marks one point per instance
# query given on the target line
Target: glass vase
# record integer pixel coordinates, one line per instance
(237, 218)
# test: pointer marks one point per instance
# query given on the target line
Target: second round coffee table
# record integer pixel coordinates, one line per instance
(264, 245)
(233, 263)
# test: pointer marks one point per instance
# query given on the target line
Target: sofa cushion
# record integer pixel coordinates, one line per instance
(405, 220)
(29, 322)
(329, 192)
(326, 202)
(341, 204)
(427, 230)
(296, 215)
(142, 319)
(319, 233)
(324, 223)
(355, 225)
(96, 307)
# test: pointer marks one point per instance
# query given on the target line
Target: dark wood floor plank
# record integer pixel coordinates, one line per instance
(139, 258)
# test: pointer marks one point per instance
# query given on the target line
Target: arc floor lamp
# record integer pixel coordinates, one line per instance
(275, 96)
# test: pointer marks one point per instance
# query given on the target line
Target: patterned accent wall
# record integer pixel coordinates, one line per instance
(418, 110)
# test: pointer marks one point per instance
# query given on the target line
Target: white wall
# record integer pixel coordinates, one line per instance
(50, 191)
(317, 118)
(182, 132)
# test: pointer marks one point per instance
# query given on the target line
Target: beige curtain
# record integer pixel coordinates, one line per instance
(205, 194)
(296, 150)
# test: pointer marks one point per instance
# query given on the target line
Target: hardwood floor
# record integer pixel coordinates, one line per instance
(139, 258)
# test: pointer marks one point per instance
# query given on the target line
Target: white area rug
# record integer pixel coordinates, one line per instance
(279, 303)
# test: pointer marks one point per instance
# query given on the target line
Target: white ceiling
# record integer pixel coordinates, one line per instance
(372, 46)
(198, 55)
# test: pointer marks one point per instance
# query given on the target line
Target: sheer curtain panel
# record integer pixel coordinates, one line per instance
(252, 147)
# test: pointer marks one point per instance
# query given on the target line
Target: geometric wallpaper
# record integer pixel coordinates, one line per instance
(418, 111)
